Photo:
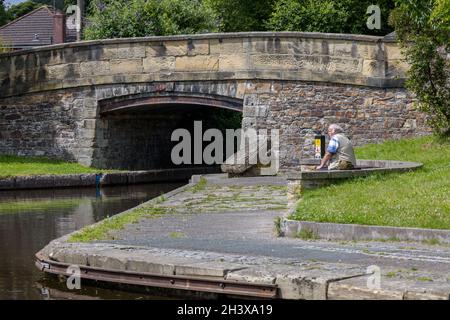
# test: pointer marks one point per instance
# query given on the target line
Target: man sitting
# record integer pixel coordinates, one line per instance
(340, 152)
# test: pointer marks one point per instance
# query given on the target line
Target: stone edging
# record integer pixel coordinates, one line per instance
(97, 179)
(283, 34)
(313, 179)
(340, 231)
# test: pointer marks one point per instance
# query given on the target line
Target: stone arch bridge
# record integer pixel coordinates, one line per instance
(114, 103)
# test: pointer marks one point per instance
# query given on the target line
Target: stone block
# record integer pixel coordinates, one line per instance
(426, 295)
(30, 182)
(92, 68)
(232, 62)
(226, 46)
(176, 48)
(110, 51)
(150, 267)
(63, 71)
(89, 124)
(251, 100)
(393, 51)
(156, 64)
(251, 276)
(198, 47)
(127, 51)
(67, 180)
(87, 134)
(370, 68)
(126, 66)
(261, 111)
(114, 179)
(258, 87)
(342, 48)
(299, 287)
(343, 291)
(249, 111)
(206, 269)
(106, 262)
(240, 90)
(276, 61)
(87, 179)
(370, 51)
(197, 63)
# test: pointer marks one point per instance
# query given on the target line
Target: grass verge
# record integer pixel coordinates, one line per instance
(102, 230)
(417, 199)
(25, 166)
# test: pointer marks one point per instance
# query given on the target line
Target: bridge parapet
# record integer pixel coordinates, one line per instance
(333, 58)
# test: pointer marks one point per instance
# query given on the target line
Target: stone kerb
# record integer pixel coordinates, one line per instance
(335, 58)
(310, 178)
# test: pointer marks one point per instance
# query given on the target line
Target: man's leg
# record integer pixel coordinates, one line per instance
(345, 165)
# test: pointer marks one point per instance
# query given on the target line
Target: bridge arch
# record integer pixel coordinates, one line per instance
(157, 101)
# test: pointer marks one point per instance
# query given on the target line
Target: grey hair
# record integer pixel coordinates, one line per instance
(336, 128)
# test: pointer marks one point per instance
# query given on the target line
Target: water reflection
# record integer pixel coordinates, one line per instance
(31, 219)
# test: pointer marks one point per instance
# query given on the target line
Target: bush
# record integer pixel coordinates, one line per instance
(140, 18)
(241, 15)
(423, 30)
(346, 16)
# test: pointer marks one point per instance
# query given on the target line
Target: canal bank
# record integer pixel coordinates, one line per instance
(101, 179)
(218, 236)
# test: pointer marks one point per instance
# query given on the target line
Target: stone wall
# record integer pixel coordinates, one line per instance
(367, 115)
(50, 97)
(66, 123)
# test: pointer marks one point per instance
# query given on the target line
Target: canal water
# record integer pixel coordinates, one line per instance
(30, 219)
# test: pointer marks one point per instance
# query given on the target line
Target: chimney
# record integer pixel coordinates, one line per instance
(59, 28)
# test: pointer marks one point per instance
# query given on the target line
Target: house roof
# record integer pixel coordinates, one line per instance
(32, 29)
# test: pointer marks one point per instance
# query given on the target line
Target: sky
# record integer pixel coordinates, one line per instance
(14, 1)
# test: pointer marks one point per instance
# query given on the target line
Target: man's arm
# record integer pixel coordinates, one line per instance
(332, 149)
(325, 160)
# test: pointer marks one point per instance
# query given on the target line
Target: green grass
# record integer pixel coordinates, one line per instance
(199, 186)
(176, 235)
(25, 166)
(102, 230)
(414, 199)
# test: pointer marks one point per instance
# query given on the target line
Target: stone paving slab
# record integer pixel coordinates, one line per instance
(390, 289)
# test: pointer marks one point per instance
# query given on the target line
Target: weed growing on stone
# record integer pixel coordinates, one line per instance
(176, 235)
(432, 241)
(391, 274)
(424, 279)
(102, 230)
(278, 230)
(307, 234)
(199, 186)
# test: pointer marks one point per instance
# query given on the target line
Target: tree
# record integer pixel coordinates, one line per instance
(59, 4)
(139, 18)
(345, 16)
(3, 15)
(423, 30)
(20, 9)
(242, 15)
